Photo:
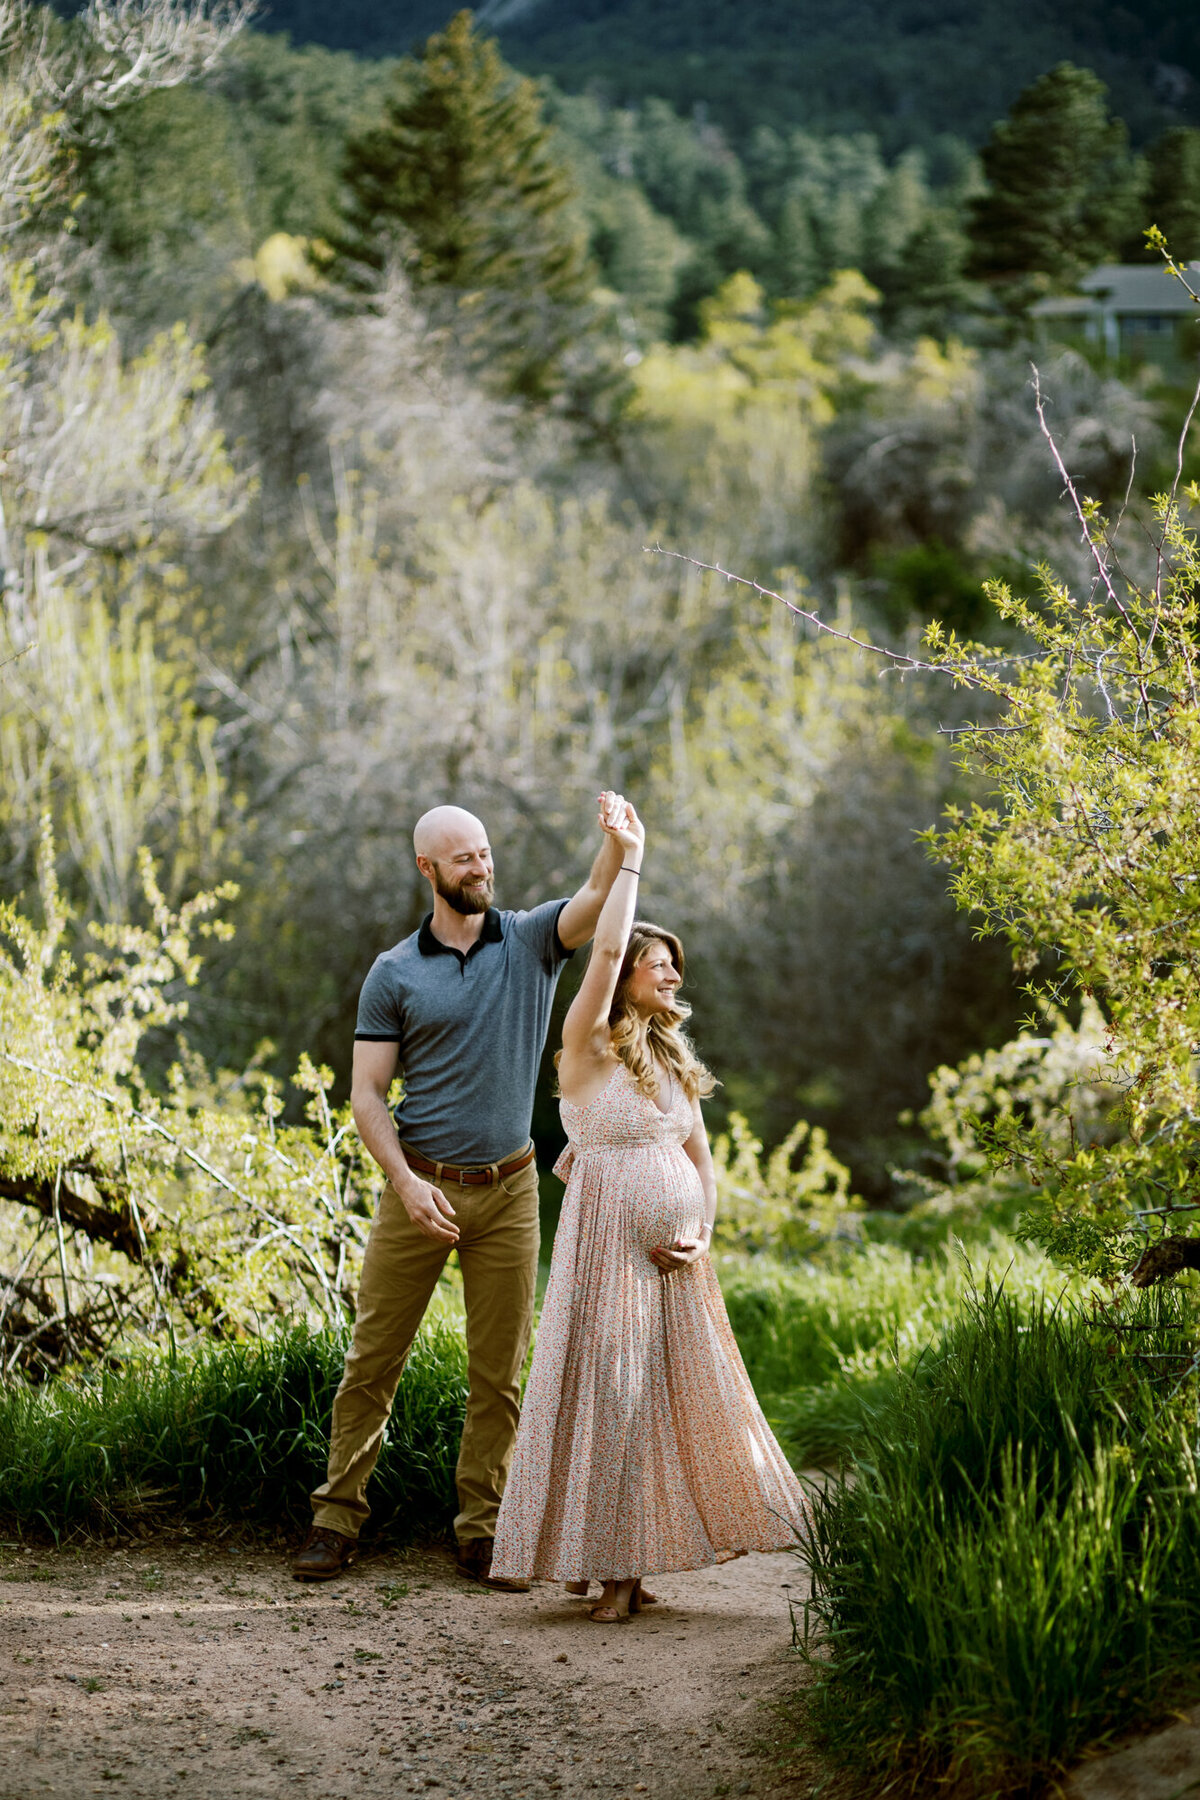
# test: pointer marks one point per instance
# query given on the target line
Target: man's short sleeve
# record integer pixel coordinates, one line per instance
(379, 1007)
(539, 929)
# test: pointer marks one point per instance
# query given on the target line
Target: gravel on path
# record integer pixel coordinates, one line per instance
(181, 1668)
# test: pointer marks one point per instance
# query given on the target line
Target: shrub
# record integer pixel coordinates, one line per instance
(1084, 861)
(144, 1211)
(766, 1203)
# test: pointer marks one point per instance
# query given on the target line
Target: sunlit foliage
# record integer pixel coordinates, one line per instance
(1083, 859)
(189, 1202)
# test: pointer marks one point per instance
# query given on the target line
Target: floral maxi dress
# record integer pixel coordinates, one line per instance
(642, 1448)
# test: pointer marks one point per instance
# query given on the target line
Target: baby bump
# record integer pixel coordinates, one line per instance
(665, 1202)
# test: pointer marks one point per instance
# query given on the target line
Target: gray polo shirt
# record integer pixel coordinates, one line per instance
(470, 1029)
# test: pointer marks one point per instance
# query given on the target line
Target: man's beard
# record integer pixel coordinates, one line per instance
(467, 901)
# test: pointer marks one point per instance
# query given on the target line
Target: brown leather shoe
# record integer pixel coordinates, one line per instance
(474, 1560)
(323, 1554)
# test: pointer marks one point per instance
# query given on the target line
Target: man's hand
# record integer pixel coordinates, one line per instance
(577, 920)
(619, 822)
(429, 1209)
(612, 808)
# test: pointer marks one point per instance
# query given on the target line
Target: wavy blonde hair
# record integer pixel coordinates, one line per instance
(661, 1037)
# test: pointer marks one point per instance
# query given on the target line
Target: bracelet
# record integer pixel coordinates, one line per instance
(626, 870)
(707, 1227)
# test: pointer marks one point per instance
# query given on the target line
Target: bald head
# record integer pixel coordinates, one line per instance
(446, 831)
(453, 855)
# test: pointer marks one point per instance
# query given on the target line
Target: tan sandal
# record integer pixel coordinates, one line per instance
(579, 1590)
(625, 1601)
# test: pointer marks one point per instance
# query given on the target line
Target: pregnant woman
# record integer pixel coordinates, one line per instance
(642, 1448)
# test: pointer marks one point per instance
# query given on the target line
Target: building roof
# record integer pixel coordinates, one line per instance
(1125, 288)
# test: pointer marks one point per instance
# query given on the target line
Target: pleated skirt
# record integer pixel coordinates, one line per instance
(642, 1447)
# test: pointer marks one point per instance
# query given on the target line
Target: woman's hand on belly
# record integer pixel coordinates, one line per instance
(678, 1255)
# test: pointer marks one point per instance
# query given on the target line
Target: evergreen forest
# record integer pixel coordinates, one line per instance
(905, 72)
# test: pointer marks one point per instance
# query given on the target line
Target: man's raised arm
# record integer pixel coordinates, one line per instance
(577, 920)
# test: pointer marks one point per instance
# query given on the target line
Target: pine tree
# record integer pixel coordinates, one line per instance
(1172, 196)
(798, 269)
(459, 179)
(926, 292)
(1061, 189)
(638, 250)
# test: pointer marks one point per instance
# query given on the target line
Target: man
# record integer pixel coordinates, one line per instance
(462, 1006)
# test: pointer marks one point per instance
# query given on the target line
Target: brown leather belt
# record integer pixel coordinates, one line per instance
(483, 1175)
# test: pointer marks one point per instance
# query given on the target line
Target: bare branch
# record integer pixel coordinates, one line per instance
(1183, 436)
(895, 659)
(18, 654)
(1101, 565)
(132, 46)
(104, 1224)
(979, 730)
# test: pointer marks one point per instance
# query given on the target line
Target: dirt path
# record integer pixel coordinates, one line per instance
(172, 1669)
(1164, 1765)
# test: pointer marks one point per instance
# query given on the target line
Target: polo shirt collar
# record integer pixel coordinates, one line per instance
(492, 933)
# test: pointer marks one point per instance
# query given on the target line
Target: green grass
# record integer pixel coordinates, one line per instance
(235, 1431)
(1010, 1569)
(820, 1343)
(238, 1431)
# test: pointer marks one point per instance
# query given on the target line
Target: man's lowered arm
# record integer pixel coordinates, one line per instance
(426, 1206)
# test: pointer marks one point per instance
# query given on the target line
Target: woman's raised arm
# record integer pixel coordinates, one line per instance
(585, 1029)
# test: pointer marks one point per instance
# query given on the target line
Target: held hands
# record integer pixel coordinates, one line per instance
(619, 821)
(679, 1254)
(429, 1210)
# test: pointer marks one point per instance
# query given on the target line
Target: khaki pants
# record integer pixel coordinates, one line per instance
(498, 1253)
